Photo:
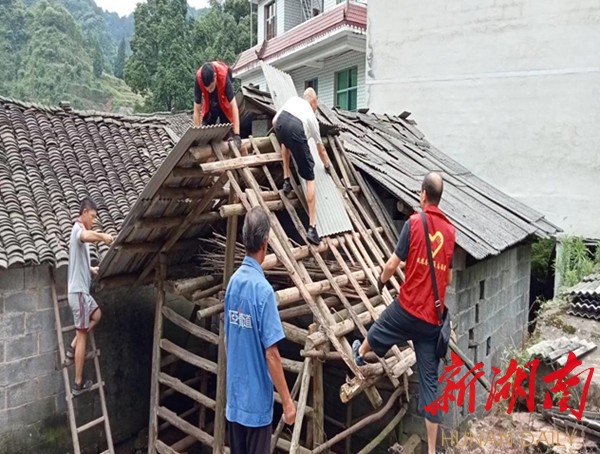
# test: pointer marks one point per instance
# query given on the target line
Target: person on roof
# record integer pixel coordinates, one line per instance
(413, 316)
(86, 313)
(214, 98)
(294, 125)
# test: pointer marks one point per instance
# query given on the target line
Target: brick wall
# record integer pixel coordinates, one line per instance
(32, 394)
(490, 304)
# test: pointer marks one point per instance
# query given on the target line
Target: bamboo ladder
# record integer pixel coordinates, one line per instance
(93, 354)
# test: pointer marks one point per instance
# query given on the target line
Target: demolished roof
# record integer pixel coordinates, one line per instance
(394, 154)
(52, 157)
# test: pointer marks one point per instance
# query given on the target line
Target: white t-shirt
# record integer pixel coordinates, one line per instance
(300, 108)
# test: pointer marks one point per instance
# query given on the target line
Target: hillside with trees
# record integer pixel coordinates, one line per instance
(72, 50)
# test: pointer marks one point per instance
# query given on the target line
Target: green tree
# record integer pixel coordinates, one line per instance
(97, 58)
(13, 39)
(120, 60)
(160, 66)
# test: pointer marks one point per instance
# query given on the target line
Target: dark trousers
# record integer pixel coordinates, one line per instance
(249, 440)
(396, 326)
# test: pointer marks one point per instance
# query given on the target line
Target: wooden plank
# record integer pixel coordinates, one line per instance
(162, 448)
(158, 329)
(318, 399)
(176, 234)
(244, 162)
(219, 432)
(238, 209)
(211, 310)
(91, 424)
(146, 247)
(190, 327)
(306, 373)
(185, 426)
(188, 357)
(185, 286)
(186, 390)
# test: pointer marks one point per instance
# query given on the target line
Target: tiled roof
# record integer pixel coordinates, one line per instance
(394, 154)
(346, 15)
(50, 158)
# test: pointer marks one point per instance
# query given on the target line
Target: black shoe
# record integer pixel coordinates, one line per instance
(83, 387)
(313, 236)
(287, 187)
(355, 351)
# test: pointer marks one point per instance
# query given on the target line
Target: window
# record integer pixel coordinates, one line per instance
(312, 83)
(346, 89)
(270, 20)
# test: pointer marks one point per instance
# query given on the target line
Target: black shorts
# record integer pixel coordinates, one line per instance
(249, 440)
(396, 326)
(290, 132)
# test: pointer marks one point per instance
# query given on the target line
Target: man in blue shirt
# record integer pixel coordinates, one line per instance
(252, 330)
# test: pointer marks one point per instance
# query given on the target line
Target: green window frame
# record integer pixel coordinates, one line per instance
(346, 89)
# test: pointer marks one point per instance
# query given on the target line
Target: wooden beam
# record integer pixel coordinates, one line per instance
(187, 286)
(236, 209)
(188, 357)
(190, 327)
(384, 433)
(203, 294)
(147, 247)
(244, 162)
(162, 448)
(184, 389)
(318, 399)
(185, 426)
(292, 294)
(161, 272)
(219, 432)
(304, 387)
(364, 422)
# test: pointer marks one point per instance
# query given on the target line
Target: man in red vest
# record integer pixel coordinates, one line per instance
(214, 98)
(413, 316)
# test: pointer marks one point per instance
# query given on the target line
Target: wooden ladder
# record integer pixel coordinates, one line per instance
(98, 386)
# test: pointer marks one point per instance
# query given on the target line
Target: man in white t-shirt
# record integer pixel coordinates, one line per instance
(295, 124)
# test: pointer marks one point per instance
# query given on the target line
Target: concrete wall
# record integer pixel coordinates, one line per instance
(32, 394)
(509, 88)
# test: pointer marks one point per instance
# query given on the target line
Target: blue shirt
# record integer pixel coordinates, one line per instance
(252, 325)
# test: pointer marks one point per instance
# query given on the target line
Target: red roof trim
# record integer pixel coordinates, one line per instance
(351, 14)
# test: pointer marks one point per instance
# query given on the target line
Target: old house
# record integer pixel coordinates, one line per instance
(320, 43)
(489, 296)
(50, 158)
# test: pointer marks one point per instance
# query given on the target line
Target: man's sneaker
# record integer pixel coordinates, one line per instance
(81, 388)
(313, 236)
(70, 353)
(355, 351)
(287, 186)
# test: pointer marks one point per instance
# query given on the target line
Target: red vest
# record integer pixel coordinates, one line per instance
(416, 294)
(221, 71)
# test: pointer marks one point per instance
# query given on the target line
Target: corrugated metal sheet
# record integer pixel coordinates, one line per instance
(557, 350)
(331, 214)
(281, 86)
(395, 155)
(588, 286)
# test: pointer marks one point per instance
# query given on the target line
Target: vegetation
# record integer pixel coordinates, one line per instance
(168, 46)
(72, 50)
(576, 261)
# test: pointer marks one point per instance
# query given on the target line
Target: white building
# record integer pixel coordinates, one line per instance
(509, 88)
(320, 43)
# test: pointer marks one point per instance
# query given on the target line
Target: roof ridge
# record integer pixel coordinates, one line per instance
(68, 110)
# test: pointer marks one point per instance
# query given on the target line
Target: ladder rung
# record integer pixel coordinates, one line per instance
(89, 355)
(62, 297)
(90, 424)
(66, 329)
(106, 452)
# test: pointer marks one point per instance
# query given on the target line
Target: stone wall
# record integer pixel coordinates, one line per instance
(32, 394)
